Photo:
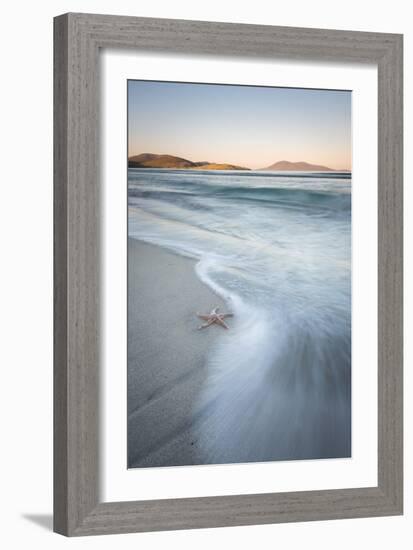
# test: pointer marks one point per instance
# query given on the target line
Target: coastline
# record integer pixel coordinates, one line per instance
(166, 355)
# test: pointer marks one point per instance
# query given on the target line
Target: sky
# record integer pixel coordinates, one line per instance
(249, 126)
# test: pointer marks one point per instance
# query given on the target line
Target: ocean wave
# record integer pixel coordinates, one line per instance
(279, 383)
(277, 386)
(276, 197)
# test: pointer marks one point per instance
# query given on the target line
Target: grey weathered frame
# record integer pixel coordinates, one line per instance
(78, 39)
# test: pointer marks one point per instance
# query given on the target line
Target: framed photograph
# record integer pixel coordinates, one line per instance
(228, 274)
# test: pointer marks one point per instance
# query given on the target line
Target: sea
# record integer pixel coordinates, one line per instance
(276, 246)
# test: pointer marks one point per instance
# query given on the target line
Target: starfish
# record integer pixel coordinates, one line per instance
(214, 317)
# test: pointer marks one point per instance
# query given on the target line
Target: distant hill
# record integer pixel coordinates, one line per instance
(285, 165)
(217, 166)
(151, 160)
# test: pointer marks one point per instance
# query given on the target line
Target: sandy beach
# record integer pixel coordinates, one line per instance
(166, 355)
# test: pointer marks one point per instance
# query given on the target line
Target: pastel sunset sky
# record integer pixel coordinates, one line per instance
(249, 126)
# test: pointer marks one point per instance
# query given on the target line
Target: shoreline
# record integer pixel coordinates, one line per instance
(166, 355)
(259, 170)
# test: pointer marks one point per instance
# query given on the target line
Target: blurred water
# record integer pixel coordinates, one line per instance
(277, 248)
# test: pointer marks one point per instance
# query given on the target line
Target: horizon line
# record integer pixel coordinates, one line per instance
(244, 165)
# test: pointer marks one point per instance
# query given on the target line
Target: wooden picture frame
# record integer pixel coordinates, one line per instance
(78, 39)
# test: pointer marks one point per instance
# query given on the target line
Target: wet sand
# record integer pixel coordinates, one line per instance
(166, 355)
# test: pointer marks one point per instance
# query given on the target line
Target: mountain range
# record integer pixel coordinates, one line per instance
(151, 160)
(285, 165)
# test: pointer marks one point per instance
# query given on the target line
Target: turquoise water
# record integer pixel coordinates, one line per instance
(277, 248)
